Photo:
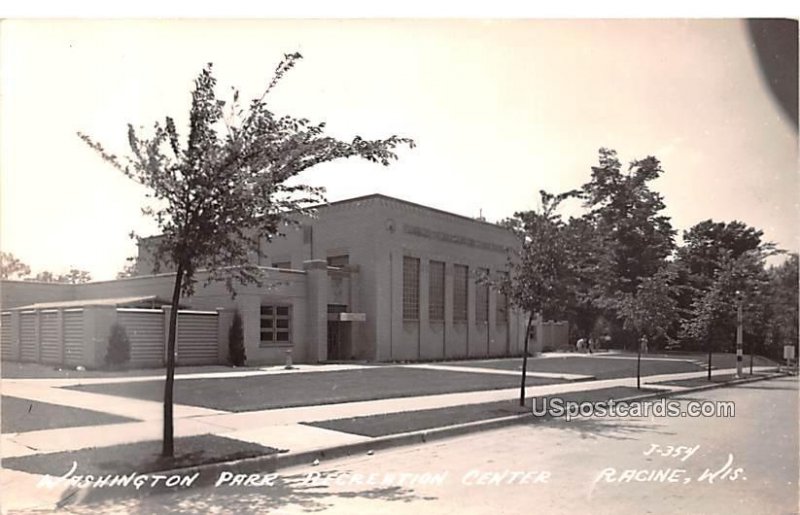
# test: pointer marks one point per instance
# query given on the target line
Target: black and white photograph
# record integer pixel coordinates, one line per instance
(399, 265)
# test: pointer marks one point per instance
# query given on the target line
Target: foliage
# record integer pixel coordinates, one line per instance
(626, 212)
(11, 267)
(227, 186)
(783, 307)
(74, 276)
(129, 270)
(713, 313)
(236, 347)
(541, 271)
(230, 185)
(651, 310)
(119, 346)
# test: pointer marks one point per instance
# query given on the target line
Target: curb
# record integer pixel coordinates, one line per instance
(209, 473)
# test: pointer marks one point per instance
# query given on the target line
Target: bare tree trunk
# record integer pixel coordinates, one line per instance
(525, 362)
(709, 357)
(168, 445)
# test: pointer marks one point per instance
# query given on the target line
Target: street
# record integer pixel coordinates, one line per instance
(745, 464)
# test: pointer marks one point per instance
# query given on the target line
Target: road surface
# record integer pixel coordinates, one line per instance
(743, 464)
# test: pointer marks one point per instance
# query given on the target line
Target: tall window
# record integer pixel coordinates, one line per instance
(436, 291)
(502, 303)
(460, 278)
(482, 298)
(275, 325)
(410, 288)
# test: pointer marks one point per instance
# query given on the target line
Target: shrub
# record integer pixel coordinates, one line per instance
(119, 346)
(236, 341)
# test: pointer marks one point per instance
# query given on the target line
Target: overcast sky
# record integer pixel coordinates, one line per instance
(499, 110)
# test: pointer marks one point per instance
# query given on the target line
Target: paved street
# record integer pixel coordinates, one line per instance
(747, 464)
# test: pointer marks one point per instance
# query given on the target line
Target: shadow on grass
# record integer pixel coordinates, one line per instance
(288, 492)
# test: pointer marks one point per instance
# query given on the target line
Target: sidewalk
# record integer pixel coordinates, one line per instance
(284, 429)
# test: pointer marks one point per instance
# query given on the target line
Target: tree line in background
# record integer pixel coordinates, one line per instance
(616, 273)
(13, 268)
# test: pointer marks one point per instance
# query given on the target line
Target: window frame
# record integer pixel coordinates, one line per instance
(411, 289)
(460, 282)
(436, 298)
(274, 313)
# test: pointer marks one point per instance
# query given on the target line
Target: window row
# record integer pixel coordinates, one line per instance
(436, 293)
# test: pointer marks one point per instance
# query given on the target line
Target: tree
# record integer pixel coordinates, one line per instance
(712, 317)
(11, 267)
(626, 211)
(129, 270)
(119, 346)
(236, 341)
(46, 277)
(650, 311)
(227, 186)
(628, 238)
(783, 323)
(75, 276)
(540, 273)
(708, 247)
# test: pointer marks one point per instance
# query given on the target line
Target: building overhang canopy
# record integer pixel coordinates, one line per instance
(141, 301)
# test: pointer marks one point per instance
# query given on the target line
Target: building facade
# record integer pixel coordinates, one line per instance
(372, 278)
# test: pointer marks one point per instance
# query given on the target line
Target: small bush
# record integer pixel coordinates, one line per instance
(236, 341)
(119, 346)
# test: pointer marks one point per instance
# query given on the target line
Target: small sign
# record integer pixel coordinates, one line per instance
(788, 352)
(353, 317)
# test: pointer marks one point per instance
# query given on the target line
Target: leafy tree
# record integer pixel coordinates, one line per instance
(541, 272)
(46, 277)
(713, 314)
(626, 239)
(624, 209)
(129, 270)
(119, 346)
(650, 311)
(709, 247)
(11, 267)
(708, 243)
(75, 276)
(227, 186)
(783, 322)
(236, 347)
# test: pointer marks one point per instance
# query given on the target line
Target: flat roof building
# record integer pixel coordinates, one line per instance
(371, 278)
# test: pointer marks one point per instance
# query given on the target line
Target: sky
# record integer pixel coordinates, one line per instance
(499, 109)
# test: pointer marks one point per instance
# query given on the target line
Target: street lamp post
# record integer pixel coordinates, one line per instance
(739, 334)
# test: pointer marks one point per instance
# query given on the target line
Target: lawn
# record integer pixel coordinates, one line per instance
(314, 388)
(599, 367)
(395, 423)
(22, 415)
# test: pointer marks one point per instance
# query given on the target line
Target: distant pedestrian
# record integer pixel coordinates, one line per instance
(580, 345)
(643, 344)
(592, 344)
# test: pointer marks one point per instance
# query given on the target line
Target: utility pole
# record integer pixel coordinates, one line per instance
(739, 335)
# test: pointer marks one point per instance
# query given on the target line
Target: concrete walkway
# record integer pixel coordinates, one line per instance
(280, 428)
